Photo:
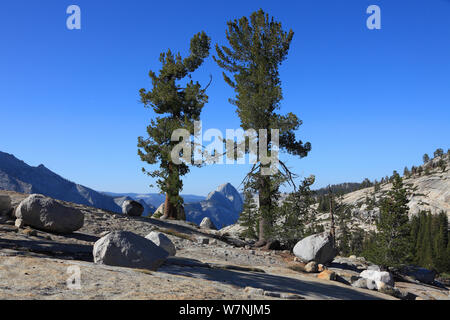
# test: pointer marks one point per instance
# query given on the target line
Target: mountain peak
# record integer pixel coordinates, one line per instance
(230, 192)
(226, 187)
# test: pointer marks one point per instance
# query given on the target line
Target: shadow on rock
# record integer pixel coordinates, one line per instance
(268, 282)
(50, 249)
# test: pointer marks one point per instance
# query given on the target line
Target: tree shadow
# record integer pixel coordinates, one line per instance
(269, 282)
(343, 266)
(66, 251)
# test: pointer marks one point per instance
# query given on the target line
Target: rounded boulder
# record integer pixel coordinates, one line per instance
(317, 247)
(47, 214)
(132, 208)
(126, 249)
(162, 241)
(378, 276)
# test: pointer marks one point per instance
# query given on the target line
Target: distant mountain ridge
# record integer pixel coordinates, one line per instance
(154, 199)
(223, 205)
(16, 175)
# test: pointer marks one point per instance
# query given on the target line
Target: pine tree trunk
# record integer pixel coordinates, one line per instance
(170, 212)
(262, 228)
(265, 206)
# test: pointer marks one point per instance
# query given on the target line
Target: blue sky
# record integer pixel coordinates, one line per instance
(372, 101)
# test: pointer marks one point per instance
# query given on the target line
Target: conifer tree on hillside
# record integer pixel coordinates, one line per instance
(297, 217)
(440, 241)
(377, 186)
(419, 170)
(392, 242)
(356, 241)
(438, 153)
(324, 203)
(425, 158)
(406, 172)
(177, 107)
(426, 244)
(249, 215)
(430, 240)
(257, 47)
(442, 164)
(343, 214)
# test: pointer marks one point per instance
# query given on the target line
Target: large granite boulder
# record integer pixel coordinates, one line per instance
(419, 274)
(317, 247)
(5, 204)
(47, 214)
(207, 224)
(132, 208)
(378, 277)
(126, 249)
(162, 241)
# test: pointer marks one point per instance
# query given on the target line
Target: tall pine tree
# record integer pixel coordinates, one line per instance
(392, 242)
(249, 215)
(178, 107)
(257, 47)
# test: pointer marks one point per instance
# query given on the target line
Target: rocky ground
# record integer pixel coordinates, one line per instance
(208, 265)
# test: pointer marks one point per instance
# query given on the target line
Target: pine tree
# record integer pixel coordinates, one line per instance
(406, 172)
(377, 186)
(419, 170)
(324, 204)
(426, 248)
(249, 216)
(419, 233)
(370, 248)
(258, 46)
(297, 215)
(178, 108)
(438, 153)
(415, 231)
(343, 214)
(393, 237)
(426, 158)
(442, 164)
(440, 241)
(357, 241)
